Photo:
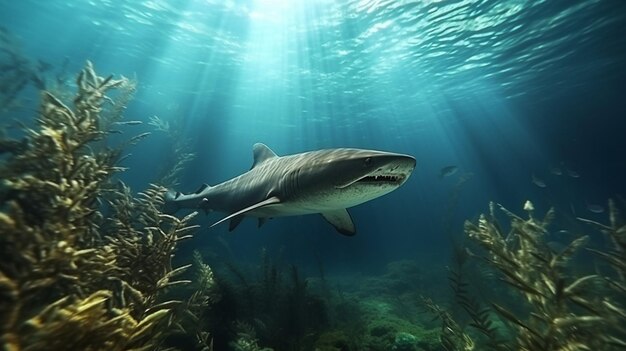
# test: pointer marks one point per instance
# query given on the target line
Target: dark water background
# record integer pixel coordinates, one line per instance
(501, 89)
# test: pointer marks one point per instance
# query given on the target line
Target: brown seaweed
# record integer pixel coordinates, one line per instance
(564, 310)
(69, 278)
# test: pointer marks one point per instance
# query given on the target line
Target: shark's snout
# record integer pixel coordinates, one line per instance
(390, 170)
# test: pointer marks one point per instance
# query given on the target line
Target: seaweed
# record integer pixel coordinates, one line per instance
(616, 255)
(86, 265)
(452, 336)
(480, 315)
(562, 309)
(267, 304)
(17, 72)
(178, 154)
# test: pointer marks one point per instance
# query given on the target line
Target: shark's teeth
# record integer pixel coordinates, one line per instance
(377, 179)
(381, 178)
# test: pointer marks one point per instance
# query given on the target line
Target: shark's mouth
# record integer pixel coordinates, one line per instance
(381, 178)
(377, 179)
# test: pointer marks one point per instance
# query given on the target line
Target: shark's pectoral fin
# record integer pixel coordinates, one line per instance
(234, 222)
(270, 201)
(341, 220)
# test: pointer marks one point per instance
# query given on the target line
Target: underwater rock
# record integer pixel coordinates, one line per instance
(404, 342)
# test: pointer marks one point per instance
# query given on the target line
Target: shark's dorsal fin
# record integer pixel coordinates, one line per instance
(270, 201)
(341, 220)
(261, 154)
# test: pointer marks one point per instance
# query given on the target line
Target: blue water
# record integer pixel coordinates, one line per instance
(502, 89)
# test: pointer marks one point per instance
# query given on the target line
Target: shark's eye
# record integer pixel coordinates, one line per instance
(368, 161)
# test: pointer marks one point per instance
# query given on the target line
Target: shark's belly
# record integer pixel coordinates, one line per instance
(287, 209)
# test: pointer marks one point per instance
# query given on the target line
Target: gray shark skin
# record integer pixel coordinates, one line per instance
(323, 181)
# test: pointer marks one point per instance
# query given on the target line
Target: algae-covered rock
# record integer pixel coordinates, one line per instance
(404, 342)
(387, 331)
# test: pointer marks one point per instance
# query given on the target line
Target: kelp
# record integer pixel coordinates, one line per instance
(557, 307)
(84, 264)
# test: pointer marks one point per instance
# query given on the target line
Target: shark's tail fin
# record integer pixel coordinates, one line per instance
(171, 205)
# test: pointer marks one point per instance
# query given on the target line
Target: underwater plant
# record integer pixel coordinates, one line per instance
(267, 305)
(452, 336)
(178, 154)
(17, 72)
(85, 265)
(556, 307)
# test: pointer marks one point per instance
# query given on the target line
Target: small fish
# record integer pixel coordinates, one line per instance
(563, 232)
(538, 182)
(595, 208)
(136, 138)
(129, 123)
(556, 171)
(573, 174)
(447, 171)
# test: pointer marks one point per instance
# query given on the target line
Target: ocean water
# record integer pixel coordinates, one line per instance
(527, 99)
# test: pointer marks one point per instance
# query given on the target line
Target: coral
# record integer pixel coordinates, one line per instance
(558, 308)
(69, 278)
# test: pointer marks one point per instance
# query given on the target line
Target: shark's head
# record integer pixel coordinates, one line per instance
(342, 178)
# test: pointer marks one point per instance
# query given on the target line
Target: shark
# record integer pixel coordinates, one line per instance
(327, 181)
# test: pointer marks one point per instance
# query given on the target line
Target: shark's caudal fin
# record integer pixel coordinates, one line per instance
(171, 206)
